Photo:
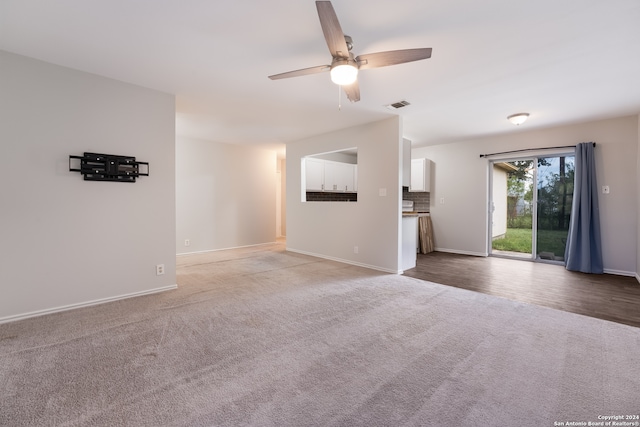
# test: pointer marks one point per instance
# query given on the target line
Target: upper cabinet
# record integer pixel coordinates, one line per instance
(314, 174)
(420, 175)
(406, 162)
(339, 176)
(327, 175)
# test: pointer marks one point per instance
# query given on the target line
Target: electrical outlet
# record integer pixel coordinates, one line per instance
(187, 242)
(442, 200)
(382, 192)
(355, 249)
(159, 269)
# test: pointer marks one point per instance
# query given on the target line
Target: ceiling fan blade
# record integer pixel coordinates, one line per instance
(352, 91)
(392, 57)
(302, 72)
(332, 31)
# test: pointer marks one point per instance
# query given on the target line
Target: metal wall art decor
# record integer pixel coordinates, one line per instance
(108, 167)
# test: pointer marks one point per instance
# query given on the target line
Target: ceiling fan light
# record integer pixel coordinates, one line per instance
(344, 74)
(518, 119)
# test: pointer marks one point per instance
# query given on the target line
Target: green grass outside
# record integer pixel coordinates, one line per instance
(515, 240)
(519, 240)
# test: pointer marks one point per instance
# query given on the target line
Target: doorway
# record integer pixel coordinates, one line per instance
(530, 206)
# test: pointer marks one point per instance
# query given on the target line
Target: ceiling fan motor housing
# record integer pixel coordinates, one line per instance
(349, 42)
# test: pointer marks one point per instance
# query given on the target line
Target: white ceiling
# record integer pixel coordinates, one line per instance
(562, 61)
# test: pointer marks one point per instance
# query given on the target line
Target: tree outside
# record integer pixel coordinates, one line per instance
(555, 197)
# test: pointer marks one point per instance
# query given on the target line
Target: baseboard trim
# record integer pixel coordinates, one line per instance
(620, 272)
(455, 251)
(23, 316)
(225, 249)
(346, 261)
(606, 270)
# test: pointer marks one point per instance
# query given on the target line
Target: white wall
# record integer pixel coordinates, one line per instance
(225, 195)
(65, 241)
(638, 206)
(332, 229)
(461, 178)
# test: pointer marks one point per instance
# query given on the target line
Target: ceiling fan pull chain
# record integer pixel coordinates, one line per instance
(339, 97)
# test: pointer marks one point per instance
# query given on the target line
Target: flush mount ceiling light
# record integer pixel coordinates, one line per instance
(518, 119)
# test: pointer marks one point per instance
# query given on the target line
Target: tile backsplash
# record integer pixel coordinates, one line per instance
(329, 196)
(420, 200)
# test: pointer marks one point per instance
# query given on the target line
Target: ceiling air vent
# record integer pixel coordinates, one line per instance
(398, 105)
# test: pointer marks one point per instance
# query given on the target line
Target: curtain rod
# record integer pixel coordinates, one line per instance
(529, 149)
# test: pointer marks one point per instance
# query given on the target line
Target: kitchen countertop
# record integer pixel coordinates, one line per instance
(414, 213)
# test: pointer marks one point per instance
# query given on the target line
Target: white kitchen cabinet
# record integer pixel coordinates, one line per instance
(406, 163)
(333, 176)
(343, 174)
(314, 174)
(327, 175)
(355, 177)
(420, 175)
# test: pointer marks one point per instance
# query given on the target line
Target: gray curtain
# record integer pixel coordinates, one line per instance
(584, 248)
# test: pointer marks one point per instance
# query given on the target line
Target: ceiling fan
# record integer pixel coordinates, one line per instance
(344, 66)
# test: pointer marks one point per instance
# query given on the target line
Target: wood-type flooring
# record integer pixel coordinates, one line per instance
(605, 296)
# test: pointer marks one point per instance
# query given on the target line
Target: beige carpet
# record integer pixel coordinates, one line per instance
(262, 337)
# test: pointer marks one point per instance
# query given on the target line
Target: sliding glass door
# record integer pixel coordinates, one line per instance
(530, 202)
(512, 208)
(554, 198)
